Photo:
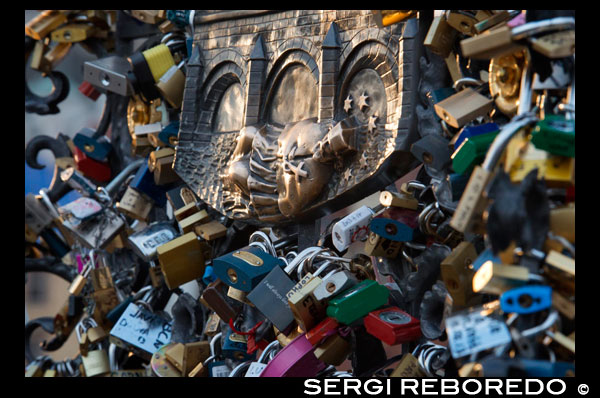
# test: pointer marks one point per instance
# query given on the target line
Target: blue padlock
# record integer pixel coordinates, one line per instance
(209, 275)
(486, 255)
(218, 369)
(235, 347)
(391, 229)
(143, 181)
(169, 133)
(92, 148)
(526, 299)
(243, 269)
(458, 182)
(473, 131)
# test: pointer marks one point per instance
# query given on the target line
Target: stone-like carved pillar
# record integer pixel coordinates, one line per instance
(330, 55)
(191, 97)
(257, 66)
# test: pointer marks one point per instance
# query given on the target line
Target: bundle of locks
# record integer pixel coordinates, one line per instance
(468, 267)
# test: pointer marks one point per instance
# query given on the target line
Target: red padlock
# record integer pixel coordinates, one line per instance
(89, 91)
(325, 328)
(393, 326)
(89, 167)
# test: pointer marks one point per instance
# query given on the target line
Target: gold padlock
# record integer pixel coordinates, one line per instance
(135, 205)
(38, 62)
(505, 80)
(211, 230)
(185, 211)
(174, 354)
(562, 223)
(96, 334)
(199, 371)
(73, 33)
(494, 20)
(334, 350)
(183, 259)
(401, 199)
(147, 16)
(457, 273)
(378, 246)
(161, 164)
(40, 26)
(166, 27)
(239, 295)
(493, 278)
(77, 285)
(463, 107)
(101, 278)
(452, 63)
(490, 44)
(96, 363)
(50, 373)
(557, 171)
(189, 223)
(408, 367)
(140, 146)
(462, 22)
(193, 354)
(473, 201)
(63, 324)
(84, 344)
(555, 45)
(561, 262)
(285, 340)
(56, 54)
(307, 310)
(440, 37)
(171, 86)
(565, 306)
(106, 300)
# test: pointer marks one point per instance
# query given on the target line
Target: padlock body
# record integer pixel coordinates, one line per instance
(96, 363)
(297, 359)
(471, 152)
(235, 347)
(269, 296)
(333, 351)
(307, 310)
(393, 326)
(556, 135)
(322, 330)
(182, 259)
(526, 299)
(91, 168)
(358, 301)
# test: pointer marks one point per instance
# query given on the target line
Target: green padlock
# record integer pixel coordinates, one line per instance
(556, 135)
(358, 301)
(472, 152)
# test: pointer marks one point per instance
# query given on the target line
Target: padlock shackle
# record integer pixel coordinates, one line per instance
(113, 186)
(503, 138)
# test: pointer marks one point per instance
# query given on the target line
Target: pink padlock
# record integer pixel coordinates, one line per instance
(297, 359)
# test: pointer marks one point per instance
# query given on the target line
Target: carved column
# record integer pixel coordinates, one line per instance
(191, 93)
(330, 55)
(257, 66)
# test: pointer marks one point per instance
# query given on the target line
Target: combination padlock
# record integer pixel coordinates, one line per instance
(526, 299)
(307, 309)
(358, 301)
(183, 259)
(243, 269)
(393, 326)
(297, 359)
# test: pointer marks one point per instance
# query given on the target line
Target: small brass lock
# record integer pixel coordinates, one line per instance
(189, 223)
(96, 363)
(135, 205)
(463, 107)
(183, 259)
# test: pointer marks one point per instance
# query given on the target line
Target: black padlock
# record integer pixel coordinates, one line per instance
(433, 151)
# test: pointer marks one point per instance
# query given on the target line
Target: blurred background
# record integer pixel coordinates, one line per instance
(46, 293)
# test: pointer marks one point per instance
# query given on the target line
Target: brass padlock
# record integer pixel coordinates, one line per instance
(140, 146)
(463, 107)
(378, 246)
(561, 262)
(334, 350)
(565, 306)
(101, 278)
(40, 26)
(171, 86)
(490, 44)
(135, 205)
(199, 371)
(189, 223)
(96, 334)
(56, 54)
(183, 259)
(492, 21)
(105, 300)
(473, 201)
(440, 37)
(402, 199)
(38, 62)
(307, 310)
(84, 344)
(161, 163)
(493, 278)
(193, 354)
(185, 211)
(73, 33)
(239, 295)
(457, 273)
(408, 367)
(212, 324)
(462, 22)
(96, 363)
(562, 223)
(555, 45)
(452, 63)
(174, 354)
(147, 16)
(211, 230)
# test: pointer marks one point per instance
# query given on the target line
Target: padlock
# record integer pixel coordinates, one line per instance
(473, 201)
(526, 299)
(161, 366)
(55, 55)
(92, 148)
(37, 215)
(432, 150)
(98, 171)
(473, 131)
(96, 334)
(78, 283)
(269, 296)
(325, 328)
(193, 354)
(565, 306)
(284, 340)
(490, 44)
(96, 363)
(106, 301)
(395, 224)
(50, 373)
(555, 45)
(78, 182)
(40, 26)
(561, 262)
(174, 354)
(409, 367)
(378, 246)
(334, 284)
(555, 134)
(185, 211)
(140, 146)
(440, 37)
(218, 369)
(161, 164)
(307, 310)
(471, 152)
(463, 107)
(211, 230)
(297, 359)
(135, 205)
(145, 242)
(557, 171)
(148, 67)
(143, 182)
(183, 259)
(141, 331)
(171, 85)
(235, 346)
(214, 298)
(453, 65)
(402, 199)
(156, 276)
(38, 62)
(73, 33)
(198, 218)
(457, 274)
(97, 232)
(238, 295)
(393, 326)
(169, 133)
(351, 228)
(492, 21)
(562, 222)
(333, 350)
(109, 73)
(357, 301)
(84, 344)
(82, 208)
(462, 22)
(494, 278)
(212, 325)
(505, 75)
(244, 268)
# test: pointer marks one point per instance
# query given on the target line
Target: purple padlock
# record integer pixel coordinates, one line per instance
(297, 359)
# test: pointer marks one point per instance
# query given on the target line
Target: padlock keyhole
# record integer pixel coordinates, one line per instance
(391, 229)
(525, 300)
